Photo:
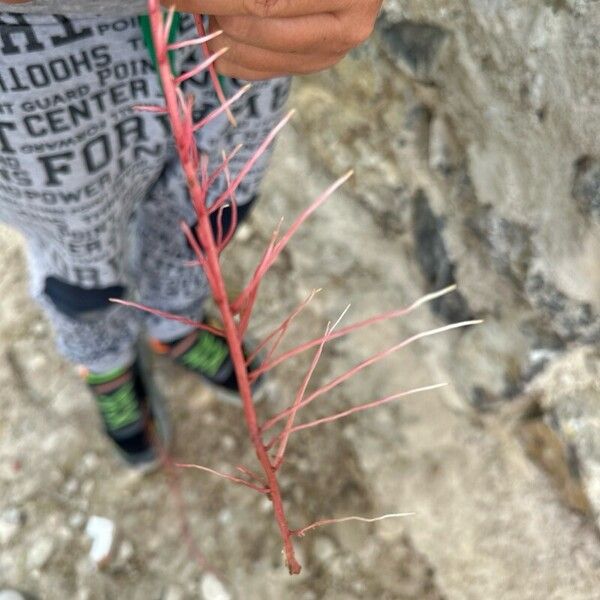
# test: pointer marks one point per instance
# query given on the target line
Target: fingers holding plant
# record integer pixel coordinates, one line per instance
(268, 38)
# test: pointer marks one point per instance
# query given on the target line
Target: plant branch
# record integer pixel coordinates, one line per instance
(171, 316)
(302, 532)
(194, 42)
(211, 69)
(179, 112)
(278, 247)
(201, 67)
(222, 108)
(366, 406)
(280, 331)
(268, 365)
(363, 365)
(285, 434)
(232, 478)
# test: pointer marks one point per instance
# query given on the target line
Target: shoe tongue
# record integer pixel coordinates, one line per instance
(208, 354)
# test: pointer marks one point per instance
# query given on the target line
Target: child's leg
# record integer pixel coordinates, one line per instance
(76, 163)
(75, 159)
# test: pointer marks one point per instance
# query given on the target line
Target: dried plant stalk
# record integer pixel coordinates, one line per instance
(236, 314)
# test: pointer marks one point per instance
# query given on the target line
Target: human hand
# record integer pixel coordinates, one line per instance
(271, 38)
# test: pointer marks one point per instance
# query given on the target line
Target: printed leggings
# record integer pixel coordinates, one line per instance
(95, 187)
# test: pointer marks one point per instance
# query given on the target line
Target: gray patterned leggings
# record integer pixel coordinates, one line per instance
(95, 186)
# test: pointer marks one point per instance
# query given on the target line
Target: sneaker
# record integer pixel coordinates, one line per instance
(207, 355)
(133, 413)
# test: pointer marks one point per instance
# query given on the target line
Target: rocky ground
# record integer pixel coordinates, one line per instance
(58, 472)
(489, 522)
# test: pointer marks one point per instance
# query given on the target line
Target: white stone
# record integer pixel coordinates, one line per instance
(37, 362)
(11, 595)
(11, 521)
(244, 232)
(39, 328)
(7, 532)
(173, 592)
(63, 532)
(102, 533)
(213, 589)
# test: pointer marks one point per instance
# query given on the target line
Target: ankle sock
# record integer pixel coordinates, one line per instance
(123, 405)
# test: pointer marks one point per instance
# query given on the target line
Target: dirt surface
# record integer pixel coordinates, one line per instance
(57, 470)
(488, 523)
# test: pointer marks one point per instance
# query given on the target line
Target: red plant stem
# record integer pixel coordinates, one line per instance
(201, 67)
(237, 358)
(232, 228)
(193, 242)
(207, 249)
(351, 411)
(152, 108)
(199, 254)
(247, 313)
(220, 225)
(168, 24)
(257, 154)
(182, 132)
(222, 242)
(245, 307)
